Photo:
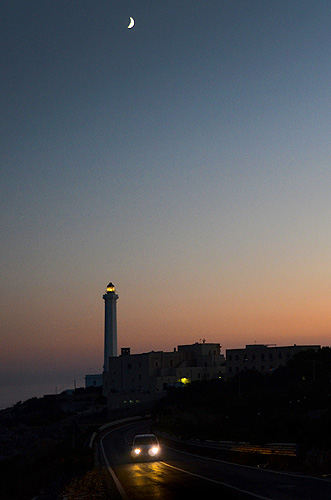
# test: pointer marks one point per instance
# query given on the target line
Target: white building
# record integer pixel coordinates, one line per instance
(93, 380)
(133, 376)
(261, 357)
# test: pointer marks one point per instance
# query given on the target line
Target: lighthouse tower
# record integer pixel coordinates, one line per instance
(110, 299)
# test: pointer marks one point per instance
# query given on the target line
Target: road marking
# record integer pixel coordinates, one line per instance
(280, 473)
(218, 460)
(112, 473)
(217, 482)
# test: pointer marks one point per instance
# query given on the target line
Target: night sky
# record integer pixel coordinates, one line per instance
(187, 160)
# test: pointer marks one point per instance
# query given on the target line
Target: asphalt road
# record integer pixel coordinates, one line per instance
(178, 474)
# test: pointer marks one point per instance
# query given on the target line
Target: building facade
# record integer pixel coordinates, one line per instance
(261, 357)
(156, 371)
(93, 380)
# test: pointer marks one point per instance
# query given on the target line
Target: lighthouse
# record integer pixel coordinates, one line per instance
(110, 299)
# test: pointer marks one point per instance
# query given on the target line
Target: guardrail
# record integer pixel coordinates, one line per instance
(285, 449)
(269, 449)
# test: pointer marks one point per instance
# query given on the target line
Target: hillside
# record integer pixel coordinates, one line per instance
(44, 442)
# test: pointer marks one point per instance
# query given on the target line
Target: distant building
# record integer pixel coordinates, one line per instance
(140, 377)
(261, 357)
(93, 380)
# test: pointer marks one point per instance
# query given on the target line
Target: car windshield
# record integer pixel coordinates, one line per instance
(141, 440)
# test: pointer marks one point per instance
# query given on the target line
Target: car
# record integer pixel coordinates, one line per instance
(145, 446)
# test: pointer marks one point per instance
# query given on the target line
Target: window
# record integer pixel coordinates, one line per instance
(230, 357)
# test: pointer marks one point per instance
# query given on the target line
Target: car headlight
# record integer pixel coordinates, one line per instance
(154, 451)
(136, 451)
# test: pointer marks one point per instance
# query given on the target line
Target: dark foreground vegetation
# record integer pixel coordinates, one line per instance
(44, 447)
(290, 405)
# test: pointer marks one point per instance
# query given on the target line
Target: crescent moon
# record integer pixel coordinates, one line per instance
(131, 23)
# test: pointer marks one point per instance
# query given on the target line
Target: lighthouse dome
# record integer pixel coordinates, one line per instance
(110, 287)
